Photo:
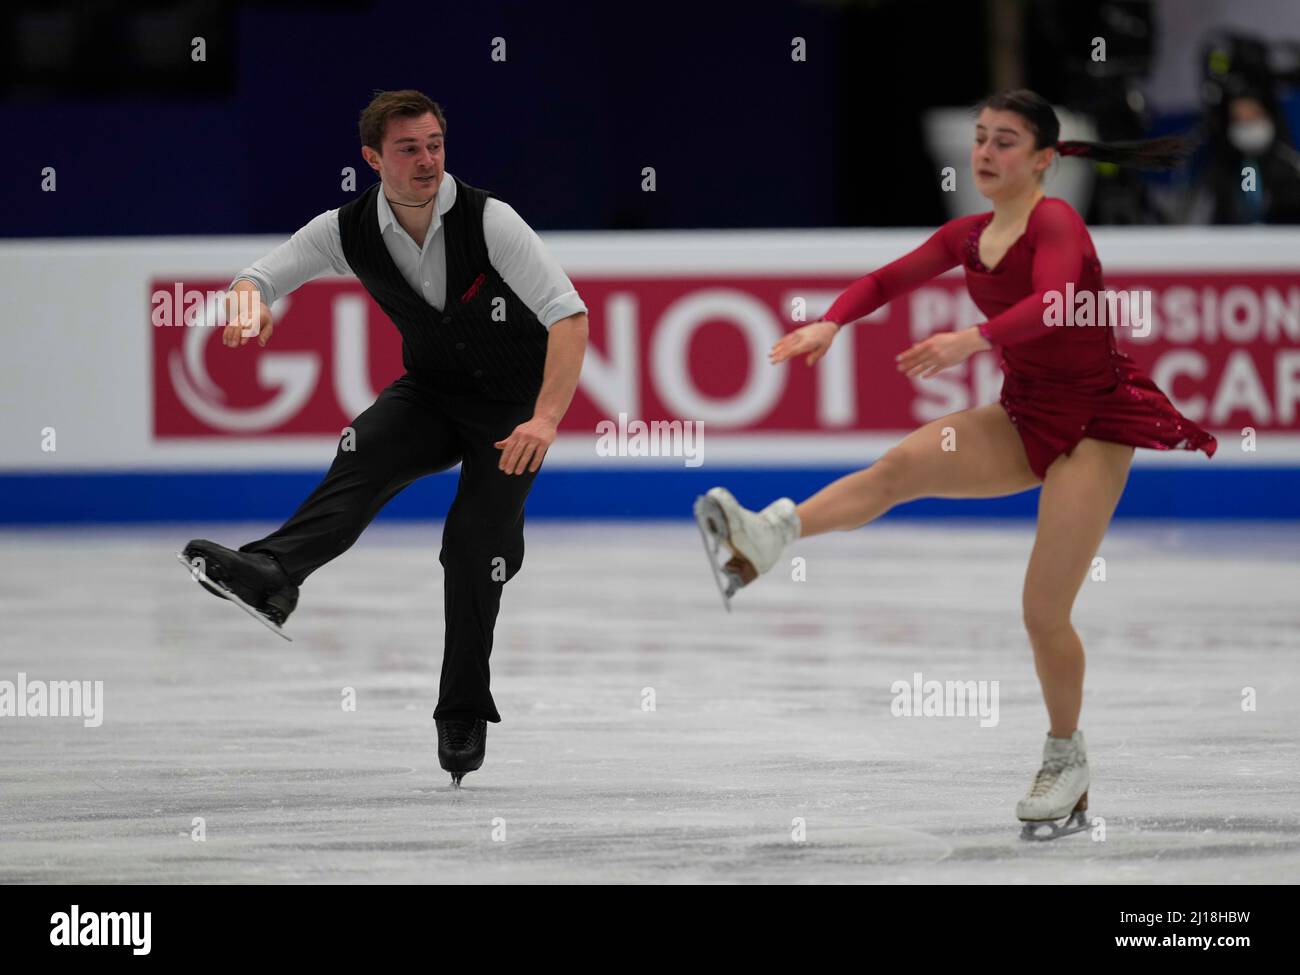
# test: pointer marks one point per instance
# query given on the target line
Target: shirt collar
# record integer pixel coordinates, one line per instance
(446, 198)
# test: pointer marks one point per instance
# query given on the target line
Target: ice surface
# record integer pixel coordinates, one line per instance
(777, 713)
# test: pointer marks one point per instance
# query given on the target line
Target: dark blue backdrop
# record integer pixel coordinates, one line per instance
(589, 94)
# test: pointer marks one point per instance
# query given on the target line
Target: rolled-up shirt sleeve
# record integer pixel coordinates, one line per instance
(525, 264)
(315, 249)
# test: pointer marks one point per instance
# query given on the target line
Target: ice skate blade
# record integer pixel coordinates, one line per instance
(1039, 830)
(200, 577)
(1049, 829)
(712, 523)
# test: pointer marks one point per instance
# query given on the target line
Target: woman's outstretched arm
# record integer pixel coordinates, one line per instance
(938, 254)
(865, 295)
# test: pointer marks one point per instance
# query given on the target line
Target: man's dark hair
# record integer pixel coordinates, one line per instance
(407, 103)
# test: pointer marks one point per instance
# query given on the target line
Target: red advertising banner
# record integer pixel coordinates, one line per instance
(1224, 345)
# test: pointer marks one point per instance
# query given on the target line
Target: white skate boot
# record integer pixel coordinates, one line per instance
(1057, 802)
(755, 539)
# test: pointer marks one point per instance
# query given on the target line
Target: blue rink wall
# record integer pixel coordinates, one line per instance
(1174, 492)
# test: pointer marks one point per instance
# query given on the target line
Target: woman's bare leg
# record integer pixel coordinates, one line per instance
(1078, 498)
(985, 459)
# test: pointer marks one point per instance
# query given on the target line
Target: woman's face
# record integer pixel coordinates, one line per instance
(1003, 161)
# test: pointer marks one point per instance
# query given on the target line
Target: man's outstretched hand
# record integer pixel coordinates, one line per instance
(526, 446)
(247, 317)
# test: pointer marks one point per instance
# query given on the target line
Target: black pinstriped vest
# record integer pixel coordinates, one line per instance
(460, 348)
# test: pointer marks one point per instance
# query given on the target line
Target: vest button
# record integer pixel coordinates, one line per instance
(446, 319)
(460, 345)
(478, 373)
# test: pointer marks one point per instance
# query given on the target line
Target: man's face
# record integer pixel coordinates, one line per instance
(413, 159)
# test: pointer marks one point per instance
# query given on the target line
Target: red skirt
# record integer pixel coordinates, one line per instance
(1124, 406)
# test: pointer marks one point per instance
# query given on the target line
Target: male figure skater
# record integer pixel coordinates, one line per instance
(493, 337)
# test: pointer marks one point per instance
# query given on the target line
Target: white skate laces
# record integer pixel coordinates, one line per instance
(1047, 779)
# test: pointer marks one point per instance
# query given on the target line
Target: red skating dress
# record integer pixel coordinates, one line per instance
(1060, 384)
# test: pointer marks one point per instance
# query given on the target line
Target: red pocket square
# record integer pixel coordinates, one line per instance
(473, 288)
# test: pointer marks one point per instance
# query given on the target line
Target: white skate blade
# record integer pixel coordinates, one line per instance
(1050, 829)
(713, 531)
(198, 575)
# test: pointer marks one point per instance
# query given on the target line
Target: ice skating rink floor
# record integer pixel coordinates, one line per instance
(776, 715)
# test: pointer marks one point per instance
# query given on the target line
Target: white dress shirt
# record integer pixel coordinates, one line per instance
(514, 249)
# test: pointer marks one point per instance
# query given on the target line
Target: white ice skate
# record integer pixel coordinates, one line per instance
(1057, 802)
(755, 539)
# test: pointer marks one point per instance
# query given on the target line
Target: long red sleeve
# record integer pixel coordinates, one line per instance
(910, 271)
(1056, 241)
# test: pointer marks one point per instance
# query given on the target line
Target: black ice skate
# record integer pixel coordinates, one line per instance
(253, 581)
(461, 746)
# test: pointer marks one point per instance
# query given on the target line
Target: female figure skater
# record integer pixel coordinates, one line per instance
(1072, 409)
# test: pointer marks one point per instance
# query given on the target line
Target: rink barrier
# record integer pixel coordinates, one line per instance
(154, 424)
(1207, 492)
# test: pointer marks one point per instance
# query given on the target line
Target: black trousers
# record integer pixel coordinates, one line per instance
(414, 429)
